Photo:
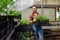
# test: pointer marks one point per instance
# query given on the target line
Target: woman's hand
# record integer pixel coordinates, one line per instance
(30, 21)
(34, 20)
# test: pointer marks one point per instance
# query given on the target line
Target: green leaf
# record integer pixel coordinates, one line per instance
(4, 3)
(24, 22)
(41, 18)
(15, 13)
(58, 19)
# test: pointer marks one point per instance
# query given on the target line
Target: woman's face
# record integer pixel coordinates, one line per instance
(34, 9)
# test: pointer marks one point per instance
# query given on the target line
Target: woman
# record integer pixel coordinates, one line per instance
(38, 30)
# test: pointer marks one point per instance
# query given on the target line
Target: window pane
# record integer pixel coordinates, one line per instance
(52, 2)
(49, 2)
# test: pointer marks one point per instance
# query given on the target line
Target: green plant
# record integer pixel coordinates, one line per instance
(41, 18)
(8, 7)
(24, 22)
(4, 4)
(58, 19)
(15, 13)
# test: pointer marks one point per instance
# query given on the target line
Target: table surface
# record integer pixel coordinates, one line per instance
(51, 27)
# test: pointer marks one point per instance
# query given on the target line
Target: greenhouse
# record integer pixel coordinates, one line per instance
(29, 19)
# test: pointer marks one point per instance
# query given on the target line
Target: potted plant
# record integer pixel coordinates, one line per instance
(24, 25)
(42, 20)
(24, 30)
(6, 10)
(3, 12)
(16, 14)
(24, 22)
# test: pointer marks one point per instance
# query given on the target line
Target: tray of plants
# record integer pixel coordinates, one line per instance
(15, 14)
(24, 31)
(42, 20)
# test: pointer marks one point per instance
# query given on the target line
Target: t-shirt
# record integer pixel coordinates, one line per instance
(32, 16)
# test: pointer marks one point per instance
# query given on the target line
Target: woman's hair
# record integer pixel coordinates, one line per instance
(34, 6)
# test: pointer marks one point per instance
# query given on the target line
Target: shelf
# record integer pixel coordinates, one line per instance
(8, 21)
(12, 31)
(51, 34)
(3, 30)
(10, 34)
(3, 37)
(51, 27)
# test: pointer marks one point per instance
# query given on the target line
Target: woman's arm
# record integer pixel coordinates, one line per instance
(30, 19)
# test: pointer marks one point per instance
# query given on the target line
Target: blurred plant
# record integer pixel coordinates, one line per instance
(8, 7)
(58, 19)
(4, 5)
(24, 22)
(15, 13)
(41, 18)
